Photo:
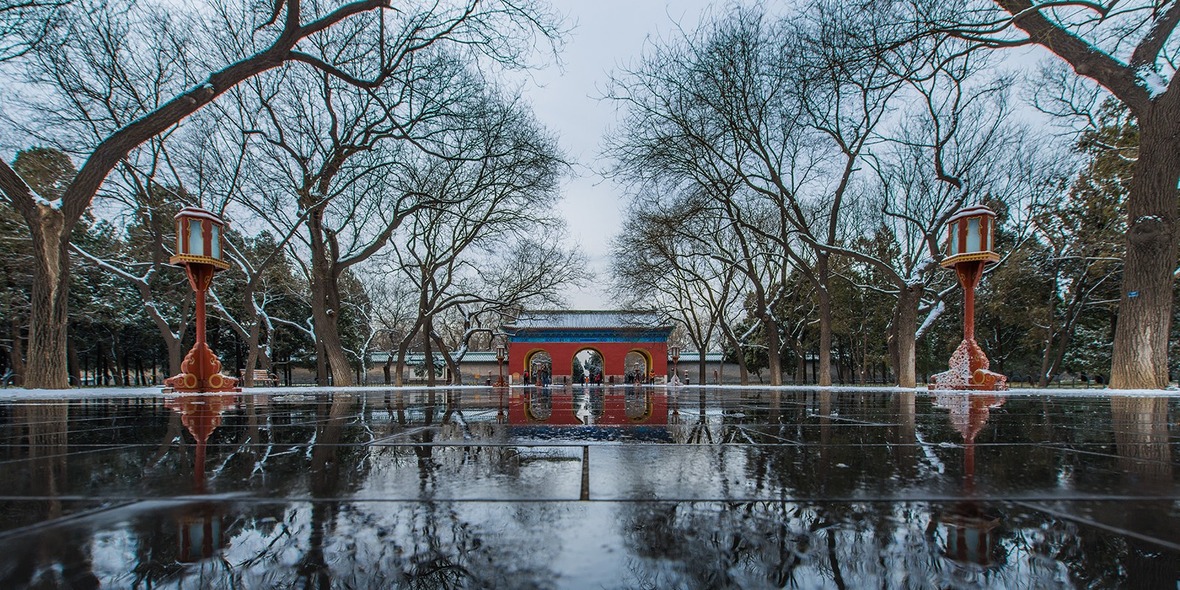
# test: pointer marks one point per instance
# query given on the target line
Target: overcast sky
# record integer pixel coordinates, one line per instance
(606, 34)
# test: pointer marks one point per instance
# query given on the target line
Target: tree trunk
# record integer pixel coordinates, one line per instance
(1140, 356)
(252, 336)
(325, 304)
(75, 368)
(1043, 377)
(863, 373)
(100, 365)
(743, 369)
(428, 352)
(17, 358)
(800, 364)
(120, 359)
(740, 355)
(824, 300)
(456, 376)
(400, 372)
(47, 364)
(905, 320)
(773, 356)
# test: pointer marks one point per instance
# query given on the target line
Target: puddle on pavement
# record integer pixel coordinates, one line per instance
(589, 487)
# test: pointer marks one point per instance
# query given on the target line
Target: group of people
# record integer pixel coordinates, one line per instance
(639, 377)
(541, 377)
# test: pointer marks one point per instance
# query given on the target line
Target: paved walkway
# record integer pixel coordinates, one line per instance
(589, 488)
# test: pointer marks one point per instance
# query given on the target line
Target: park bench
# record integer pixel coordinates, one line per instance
(262, 378)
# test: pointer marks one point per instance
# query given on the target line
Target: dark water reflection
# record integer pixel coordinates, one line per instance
(589, 487)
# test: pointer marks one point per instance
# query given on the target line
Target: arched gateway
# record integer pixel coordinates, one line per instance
(630, 343)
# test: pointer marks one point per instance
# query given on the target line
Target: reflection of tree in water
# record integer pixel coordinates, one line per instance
(1145, 459)
(637, 403)
(763, 545)
(55, 559)
(1141, 437)
(588, 405)
(810, 545)
(849, 543)
(808, 542)
(539, 404)
(428, 544)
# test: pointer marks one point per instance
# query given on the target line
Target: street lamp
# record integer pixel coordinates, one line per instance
(675, 352)
(969, 250)
(198, 250)
(501, 354)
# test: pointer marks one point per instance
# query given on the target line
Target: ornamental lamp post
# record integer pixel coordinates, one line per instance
(675, 352)
(501, 354)
(198, 250)
(969, 244)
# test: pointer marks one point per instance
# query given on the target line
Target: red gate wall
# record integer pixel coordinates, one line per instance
(614, 356)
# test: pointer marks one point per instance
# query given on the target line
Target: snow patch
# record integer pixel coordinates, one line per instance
(1151, 80)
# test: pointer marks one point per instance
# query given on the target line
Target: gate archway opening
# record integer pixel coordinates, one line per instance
(587, 366)
(538, 367)
(639, 366)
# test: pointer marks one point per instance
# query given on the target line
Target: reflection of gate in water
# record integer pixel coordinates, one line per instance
(538, 406)
(598, 407)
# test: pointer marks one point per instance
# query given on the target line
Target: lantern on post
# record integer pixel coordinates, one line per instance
(501, 354)
(674, 352)
(968, 251)
(199, 251)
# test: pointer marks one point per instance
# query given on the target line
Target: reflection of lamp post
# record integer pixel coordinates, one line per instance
(501, 354)
(198, 249)
(969, 250)
(675, 352)
(971, 532)
(200, 524)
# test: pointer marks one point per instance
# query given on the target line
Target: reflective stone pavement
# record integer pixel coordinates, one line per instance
(589, 488)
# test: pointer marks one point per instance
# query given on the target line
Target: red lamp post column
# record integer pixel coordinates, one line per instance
(501, 354)
(198, 250)
(969, 243)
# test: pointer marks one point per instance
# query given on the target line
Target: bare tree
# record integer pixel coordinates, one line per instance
(679, 258)
(492, 244)
(681, 133)
(24, 24)
(1131, 50)
(954, 146)
(286, 31)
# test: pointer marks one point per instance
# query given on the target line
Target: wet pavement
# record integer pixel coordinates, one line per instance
(589, 488)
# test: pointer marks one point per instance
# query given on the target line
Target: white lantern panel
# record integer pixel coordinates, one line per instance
(215, 243)
(953, 246)
(196, 245)
(973, 236)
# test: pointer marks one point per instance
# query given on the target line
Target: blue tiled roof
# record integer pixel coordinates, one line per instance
(582, 320)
